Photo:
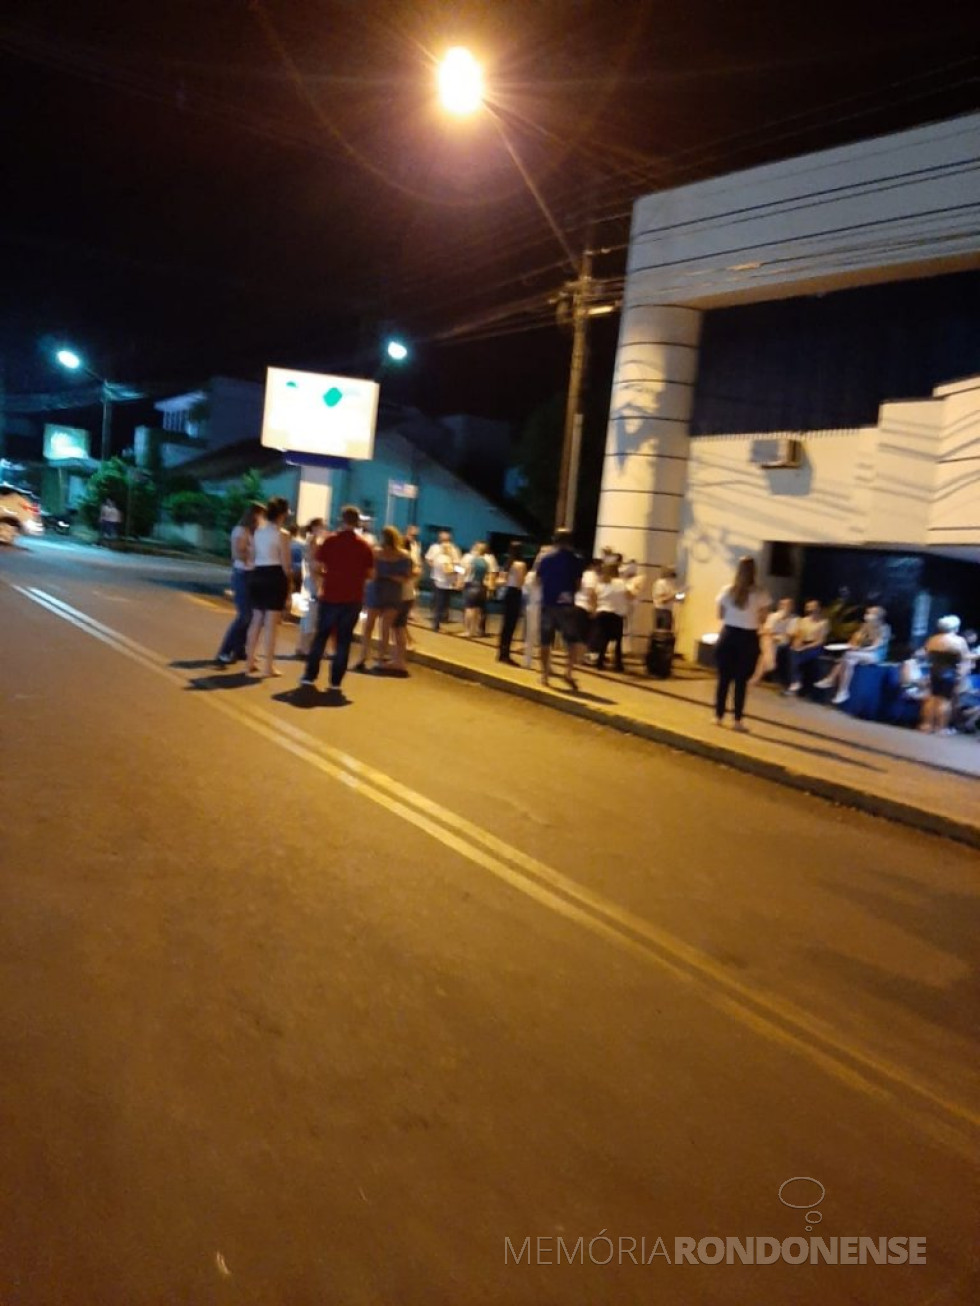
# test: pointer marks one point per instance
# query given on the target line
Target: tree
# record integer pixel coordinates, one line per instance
(129, 490)
(538, 460)
(194, 506)
(237, 498)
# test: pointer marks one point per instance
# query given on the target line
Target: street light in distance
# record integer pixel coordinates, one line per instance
(73, 362)
(396, 351)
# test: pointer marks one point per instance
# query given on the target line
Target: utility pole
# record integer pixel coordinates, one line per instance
(581, 293)
(106, 421)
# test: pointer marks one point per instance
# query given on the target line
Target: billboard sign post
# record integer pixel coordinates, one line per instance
(64, 444)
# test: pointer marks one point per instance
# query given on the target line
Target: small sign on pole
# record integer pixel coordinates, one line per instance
(402, 490)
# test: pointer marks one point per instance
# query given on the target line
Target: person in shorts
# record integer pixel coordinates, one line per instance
(559, 574)
(399, 625)
(949, 668)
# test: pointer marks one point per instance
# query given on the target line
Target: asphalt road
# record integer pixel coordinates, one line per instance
(303, 1004)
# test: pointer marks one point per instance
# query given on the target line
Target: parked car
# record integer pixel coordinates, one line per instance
(20, 514)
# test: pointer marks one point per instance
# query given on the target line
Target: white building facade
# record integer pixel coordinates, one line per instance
(893, 209)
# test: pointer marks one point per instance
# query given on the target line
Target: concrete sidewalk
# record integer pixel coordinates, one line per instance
(927, 781)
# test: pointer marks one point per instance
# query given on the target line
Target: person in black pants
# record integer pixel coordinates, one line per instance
(611, 598)
(742, 608)
(515, 569)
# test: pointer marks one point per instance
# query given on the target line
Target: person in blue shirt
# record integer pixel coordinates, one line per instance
(559, 573)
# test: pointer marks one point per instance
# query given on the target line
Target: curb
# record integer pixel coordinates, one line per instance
(834, 791)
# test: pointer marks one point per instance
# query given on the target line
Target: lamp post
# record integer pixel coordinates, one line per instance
(461, 91)
(73, 362)
(398, 352)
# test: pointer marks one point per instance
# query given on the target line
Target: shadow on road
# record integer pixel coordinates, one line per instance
(189, 585)
(224, 680)
(583, 695)
(193, 664)
(308, 696)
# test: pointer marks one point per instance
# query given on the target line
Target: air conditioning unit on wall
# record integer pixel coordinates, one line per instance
(783, 453)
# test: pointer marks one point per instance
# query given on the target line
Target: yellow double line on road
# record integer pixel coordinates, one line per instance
(780, 1021)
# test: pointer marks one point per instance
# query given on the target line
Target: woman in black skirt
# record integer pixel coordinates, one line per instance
(514, 573)
(269, 585)
(742, 608)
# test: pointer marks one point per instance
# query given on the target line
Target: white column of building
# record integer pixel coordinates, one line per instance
(645, 468)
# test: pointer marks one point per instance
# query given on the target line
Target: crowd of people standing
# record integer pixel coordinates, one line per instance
(338, 573)
(588, 605)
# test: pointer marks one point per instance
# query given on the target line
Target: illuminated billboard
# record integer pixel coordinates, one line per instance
(64, 443)
(307, 412)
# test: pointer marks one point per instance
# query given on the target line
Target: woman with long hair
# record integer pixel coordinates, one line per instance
(269, 586)
(242, 561)
(742, 608)
(392, 567)
(475, 580)
(514, 574)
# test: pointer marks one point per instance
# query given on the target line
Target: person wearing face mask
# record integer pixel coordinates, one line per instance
(809, 637)
(868, 644)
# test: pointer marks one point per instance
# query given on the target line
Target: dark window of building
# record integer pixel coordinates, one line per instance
(829, 361)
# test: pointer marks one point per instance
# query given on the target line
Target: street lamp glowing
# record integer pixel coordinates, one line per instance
(396, 351)
(68, 358)
(460, 82)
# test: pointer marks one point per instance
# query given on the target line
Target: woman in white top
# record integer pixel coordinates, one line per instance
(513, 580)
(611, 607)
(242, 561)
(585, 599)
(269, 586)
(742, 608)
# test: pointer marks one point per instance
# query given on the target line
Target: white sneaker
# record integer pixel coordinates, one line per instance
(825, 683)
(841, 697)
(792, 689)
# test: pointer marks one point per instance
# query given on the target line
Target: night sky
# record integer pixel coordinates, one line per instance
(195, 187)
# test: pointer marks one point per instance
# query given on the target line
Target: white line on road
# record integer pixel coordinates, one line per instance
(772, 1017)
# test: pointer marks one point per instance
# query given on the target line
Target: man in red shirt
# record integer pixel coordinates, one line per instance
(346, 563)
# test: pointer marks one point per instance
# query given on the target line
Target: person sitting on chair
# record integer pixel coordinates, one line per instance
(868, 644)
(809, 637)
